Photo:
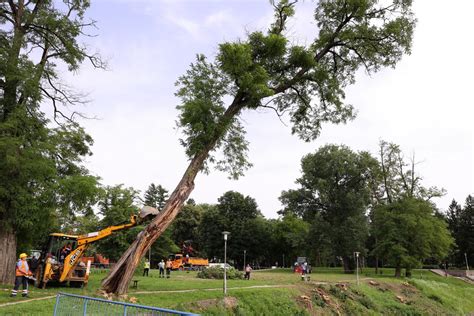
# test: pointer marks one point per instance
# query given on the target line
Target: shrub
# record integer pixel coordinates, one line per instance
(218, 273)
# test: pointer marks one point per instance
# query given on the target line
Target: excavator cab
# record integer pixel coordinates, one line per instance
(52, 262)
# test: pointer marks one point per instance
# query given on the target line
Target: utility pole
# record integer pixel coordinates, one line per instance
(357, 265)
(245, 252)
(467, 263)
(225, 261)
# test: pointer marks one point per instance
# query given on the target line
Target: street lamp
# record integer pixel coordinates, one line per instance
(245, 252)
(467, 264)
(225, 260)
(357, 265)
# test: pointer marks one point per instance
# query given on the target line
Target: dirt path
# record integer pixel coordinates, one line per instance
(214, 289)
(28, 300)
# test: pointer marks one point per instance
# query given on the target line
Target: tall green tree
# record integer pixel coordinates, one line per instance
(461, 225)
(409, 232)
(186, 225)
(268, 70)
(156, 196)
(401, 192)
(291, 239)
(116, 207)
(337, 180)
(239, 215)
(40, 165)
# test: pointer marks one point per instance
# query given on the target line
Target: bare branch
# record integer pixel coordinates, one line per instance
(279, 114)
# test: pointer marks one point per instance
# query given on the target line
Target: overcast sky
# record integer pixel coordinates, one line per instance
(424, 105)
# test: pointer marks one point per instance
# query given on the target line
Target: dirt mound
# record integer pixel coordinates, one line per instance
(229, 302)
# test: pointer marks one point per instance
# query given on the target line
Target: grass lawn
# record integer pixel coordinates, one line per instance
(279, 292)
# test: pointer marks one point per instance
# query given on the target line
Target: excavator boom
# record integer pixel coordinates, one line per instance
(65, 271)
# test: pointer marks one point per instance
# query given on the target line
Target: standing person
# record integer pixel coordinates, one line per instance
(146, 267)
(248, 269)
(304, 271)
(161, 266)
(21, 272)
(168, 268)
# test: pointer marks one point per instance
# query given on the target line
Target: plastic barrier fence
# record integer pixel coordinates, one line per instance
(75, 305)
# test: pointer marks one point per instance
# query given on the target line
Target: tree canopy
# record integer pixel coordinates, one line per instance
(335, 183)
(408, 233)
(41, 167)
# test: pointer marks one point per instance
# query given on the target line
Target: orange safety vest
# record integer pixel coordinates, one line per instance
(22, 268)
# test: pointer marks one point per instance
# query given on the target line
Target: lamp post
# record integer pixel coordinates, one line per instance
(225, 260)
(357, 265)
(245, 252)
(467, 264)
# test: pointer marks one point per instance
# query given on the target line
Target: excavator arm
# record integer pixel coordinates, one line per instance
(83, 242)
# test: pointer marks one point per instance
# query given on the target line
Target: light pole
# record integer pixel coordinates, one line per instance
(357, 265)
(467, 264)
(245, 252)
(225, 260)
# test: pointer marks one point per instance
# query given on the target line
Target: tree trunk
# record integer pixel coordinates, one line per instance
(408, 272)
(376, 265)
(7, 256)
(348, 265)
(119, 278)
(398, 271)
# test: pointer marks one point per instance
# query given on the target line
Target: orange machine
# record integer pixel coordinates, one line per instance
(178, 261)
(97, 261)
(71, 269)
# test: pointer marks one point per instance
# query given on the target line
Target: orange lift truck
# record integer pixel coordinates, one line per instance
(180, 262)
(72, 269)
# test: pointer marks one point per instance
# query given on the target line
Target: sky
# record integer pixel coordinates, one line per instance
(424, 105)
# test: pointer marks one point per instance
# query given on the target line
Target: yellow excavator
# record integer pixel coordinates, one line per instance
(52, 267)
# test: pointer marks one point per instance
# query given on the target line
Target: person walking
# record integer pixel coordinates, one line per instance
(161, 266)
(146, 267)
(22, 271)
(168, 268)
(248, 269)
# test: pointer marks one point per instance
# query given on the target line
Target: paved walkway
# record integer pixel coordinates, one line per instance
(28, 300)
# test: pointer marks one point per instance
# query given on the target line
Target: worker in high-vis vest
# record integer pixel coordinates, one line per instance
(146, 267)
(22, 271)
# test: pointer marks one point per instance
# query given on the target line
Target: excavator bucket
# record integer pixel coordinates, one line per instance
(148, 212)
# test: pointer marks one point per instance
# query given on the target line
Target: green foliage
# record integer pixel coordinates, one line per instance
(156, 196)
(116, 207)
(290, 236)
(42, 175)
(334, 196)
(305, 82)
(186, 225)
(461, 225)
(408, 232)
(240, 216)
(42, 178)
(218, 273)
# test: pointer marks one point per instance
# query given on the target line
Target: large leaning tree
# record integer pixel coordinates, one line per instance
(41, 169)
(267, 70)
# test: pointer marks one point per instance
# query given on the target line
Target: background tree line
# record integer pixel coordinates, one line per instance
(346, 201)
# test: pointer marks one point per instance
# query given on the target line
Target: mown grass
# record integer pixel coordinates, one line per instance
(423, 294)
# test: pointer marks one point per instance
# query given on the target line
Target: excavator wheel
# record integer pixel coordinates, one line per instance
(39, 276)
